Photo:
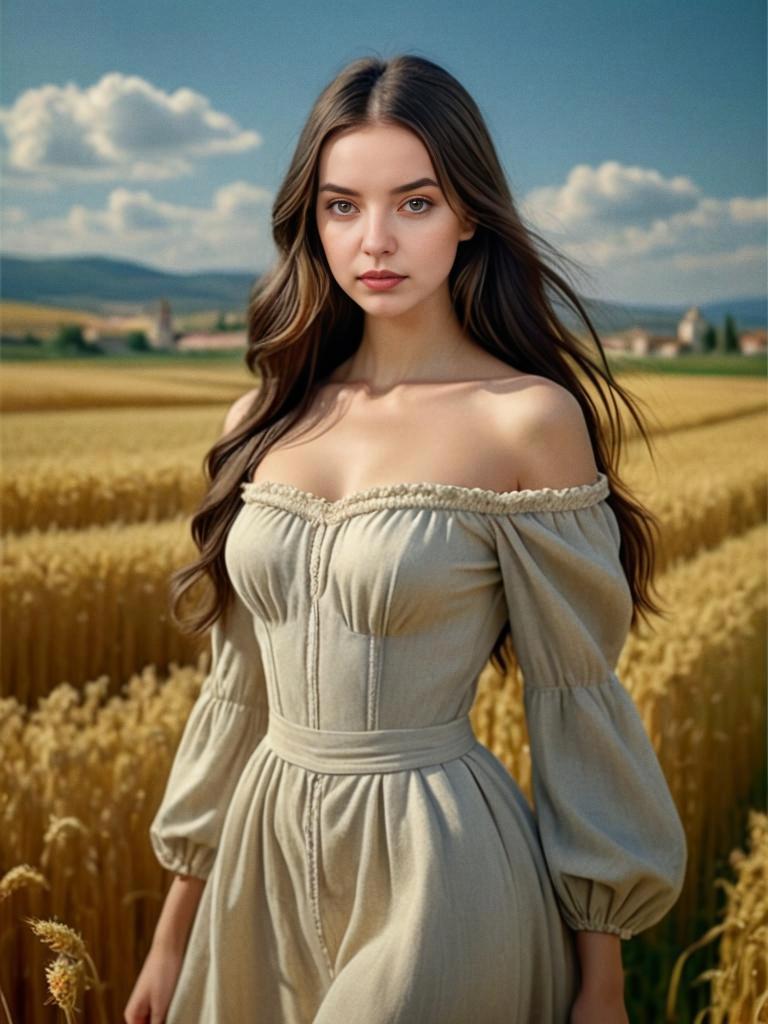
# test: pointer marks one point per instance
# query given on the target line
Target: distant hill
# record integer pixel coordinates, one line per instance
(746, 312)
(108, 286)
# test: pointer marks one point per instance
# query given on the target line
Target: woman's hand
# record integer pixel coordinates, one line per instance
(151, 995)
(594, 1007)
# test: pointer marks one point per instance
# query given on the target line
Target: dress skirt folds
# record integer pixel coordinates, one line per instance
(368, 860)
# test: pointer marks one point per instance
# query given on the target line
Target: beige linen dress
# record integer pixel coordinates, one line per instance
(368, 860)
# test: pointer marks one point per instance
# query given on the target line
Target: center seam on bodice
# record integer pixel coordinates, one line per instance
(372, 688)
(313, 638)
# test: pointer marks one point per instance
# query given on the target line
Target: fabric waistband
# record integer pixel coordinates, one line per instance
(368, 750)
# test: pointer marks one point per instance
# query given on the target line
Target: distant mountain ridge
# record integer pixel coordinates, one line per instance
(109, 286)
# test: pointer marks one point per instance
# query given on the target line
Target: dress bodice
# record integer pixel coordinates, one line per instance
(379, 610)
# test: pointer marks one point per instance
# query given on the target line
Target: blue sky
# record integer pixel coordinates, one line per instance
(633, 133)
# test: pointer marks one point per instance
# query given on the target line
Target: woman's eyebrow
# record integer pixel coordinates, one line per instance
(419, 183)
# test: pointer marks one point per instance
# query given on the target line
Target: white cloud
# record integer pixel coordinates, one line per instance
(232, 231)
(636, 231)
(14, 214)
(744, 257)
(612, 196)
(122, 127)
(618, 212)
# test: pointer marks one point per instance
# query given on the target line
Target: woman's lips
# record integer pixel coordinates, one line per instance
(381, 284)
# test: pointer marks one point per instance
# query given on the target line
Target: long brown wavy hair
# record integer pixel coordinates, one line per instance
(302, 325)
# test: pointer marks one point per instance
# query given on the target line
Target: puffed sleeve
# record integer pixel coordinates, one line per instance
(223, 729)
(611, 834)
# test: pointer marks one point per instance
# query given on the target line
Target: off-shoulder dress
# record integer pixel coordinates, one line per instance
(368, 860)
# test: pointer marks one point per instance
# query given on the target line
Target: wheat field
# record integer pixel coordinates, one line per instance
(102, 468)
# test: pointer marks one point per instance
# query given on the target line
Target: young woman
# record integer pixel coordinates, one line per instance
(419, 478)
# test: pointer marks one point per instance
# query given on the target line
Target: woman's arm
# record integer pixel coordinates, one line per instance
(157, 980)
(600, 1000)
(178, 913)
(602, 971)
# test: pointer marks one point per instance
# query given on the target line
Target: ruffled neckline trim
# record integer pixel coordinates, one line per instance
(449, 497)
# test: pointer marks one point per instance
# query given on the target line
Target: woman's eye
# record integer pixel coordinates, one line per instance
(346, 202)
(420, 200)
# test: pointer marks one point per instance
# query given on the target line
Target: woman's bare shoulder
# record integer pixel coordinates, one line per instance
(528, 397)
(545, 426)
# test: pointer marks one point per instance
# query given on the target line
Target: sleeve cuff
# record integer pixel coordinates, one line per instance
(189, 860)
(580, 925)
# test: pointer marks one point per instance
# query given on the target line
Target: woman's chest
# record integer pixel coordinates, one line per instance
(388, 569)
(340, 449)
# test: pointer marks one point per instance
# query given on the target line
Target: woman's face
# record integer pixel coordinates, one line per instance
(366, 221)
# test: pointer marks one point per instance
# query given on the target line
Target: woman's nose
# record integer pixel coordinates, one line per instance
(377, 235)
